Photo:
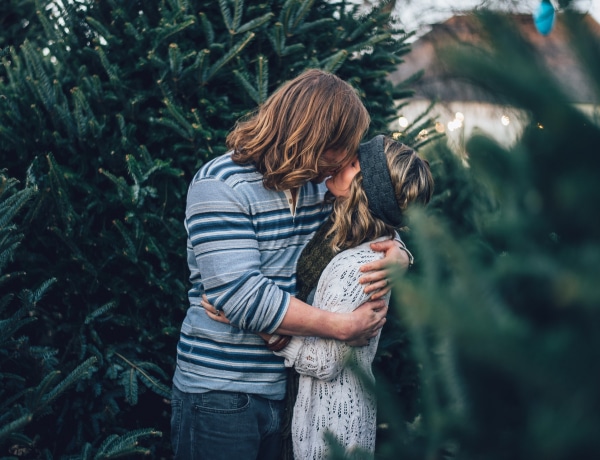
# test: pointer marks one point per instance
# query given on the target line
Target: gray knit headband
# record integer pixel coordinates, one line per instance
(377, 183)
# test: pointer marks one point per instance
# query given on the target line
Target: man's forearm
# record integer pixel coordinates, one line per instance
(302, 319)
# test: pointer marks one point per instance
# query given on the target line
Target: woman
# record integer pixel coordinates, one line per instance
(334, 394)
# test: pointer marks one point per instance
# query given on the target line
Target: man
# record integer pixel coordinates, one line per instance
(249, 214)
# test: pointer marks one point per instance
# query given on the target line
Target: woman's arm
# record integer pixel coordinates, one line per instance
(337, 291)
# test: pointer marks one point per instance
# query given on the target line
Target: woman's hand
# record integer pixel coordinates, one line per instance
(377, 273)
(212, 312)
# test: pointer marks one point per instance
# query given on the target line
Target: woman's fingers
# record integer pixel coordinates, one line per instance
(212, 312)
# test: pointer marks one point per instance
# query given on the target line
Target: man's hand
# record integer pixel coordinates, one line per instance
(365, 322)
(377, 273)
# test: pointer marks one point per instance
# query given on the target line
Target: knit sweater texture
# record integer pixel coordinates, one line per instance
(335, 384)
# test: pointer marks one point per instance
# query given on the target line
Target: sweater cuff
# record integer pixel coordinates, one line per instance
(291, 351)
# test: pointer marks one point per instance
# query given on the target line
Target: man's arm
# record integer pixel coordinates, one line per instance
(357, 326)
(302, 319)
(225, 258)
(225, 246)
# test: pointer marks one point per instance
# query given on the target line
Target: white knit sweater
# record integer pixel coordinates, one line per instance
(335, 389)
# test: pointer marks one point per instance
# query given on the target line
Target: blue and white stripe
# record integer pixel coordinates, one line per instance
(242, 249)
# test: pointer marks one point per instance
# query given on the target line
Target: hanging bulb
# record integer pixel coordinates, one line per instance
(543, 18)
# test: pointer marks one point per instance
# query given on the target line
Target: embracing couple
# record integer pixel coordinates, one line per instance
(289, 237)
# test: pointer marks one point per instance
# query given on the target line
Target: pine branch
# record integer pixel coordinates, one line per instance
(202, 65)
(124, 130)
(362, 29)
(180, 118)
(82, 114)
(81, 371)
(15, 425)
(309, 27)
(12, 205)
(40, 81)
(175, 60)
(226, 13)
(369, 43)
(172, 30)
(111, 71)
(172, 125)
(238, 9)
(123, 188)
(129, 383)
(255, 23)
(278, 37)
(148, 380)
(262, 78)
(87, 452)
(130, 250)
(207, 28)
(251, 90)
(91, 317)
(18, 320)
(35, 402)
(153, 248)
(298, 18)
(135, 172)
(231, 54)
(125, 445)
(102, 31)
(61, 199)
(333, 63)
(50, 29)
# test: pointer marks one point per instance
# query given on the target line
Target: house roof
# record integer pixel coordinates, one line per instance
(555, 49)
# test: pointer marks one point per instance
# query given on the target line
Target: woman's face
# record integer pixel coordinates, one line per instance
(339, 183)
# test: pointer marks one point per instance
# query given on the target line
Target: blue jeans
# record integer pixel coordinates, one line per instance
(224, 425)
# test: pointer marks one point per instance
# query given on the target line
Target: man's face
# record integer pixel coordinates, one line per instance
(339, 183)
(331, 161)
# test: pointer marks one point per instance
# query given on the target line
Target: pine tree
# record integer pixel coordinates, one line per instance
(32, 379)
(503, 309)
(108, 113)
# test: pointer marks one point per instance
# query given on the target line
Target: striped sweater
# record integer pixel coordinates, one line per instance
(242, 248)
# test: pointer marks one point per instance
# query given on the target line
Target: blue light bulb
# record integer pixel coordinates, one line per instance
(543, 18)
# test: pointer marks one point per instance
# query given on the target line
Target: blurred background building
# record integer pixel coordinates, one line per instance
(460, 107)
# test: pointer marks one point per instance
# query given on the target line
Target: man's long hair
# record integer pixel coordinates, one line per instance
(287, 135)
(353, 222)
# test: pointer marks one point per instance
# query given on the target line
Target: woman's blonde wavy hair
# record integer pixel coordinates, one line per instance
(353, 222)
(287, 135)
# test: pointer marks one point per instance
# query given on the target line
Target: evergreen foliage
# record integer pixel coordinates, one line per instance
(31, 379)
(17, 21)
(503, 310)
(107, 109)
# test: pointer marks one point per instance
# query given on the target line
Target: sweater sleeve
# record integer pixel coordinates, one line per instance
(338, 291)
(222, 241)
